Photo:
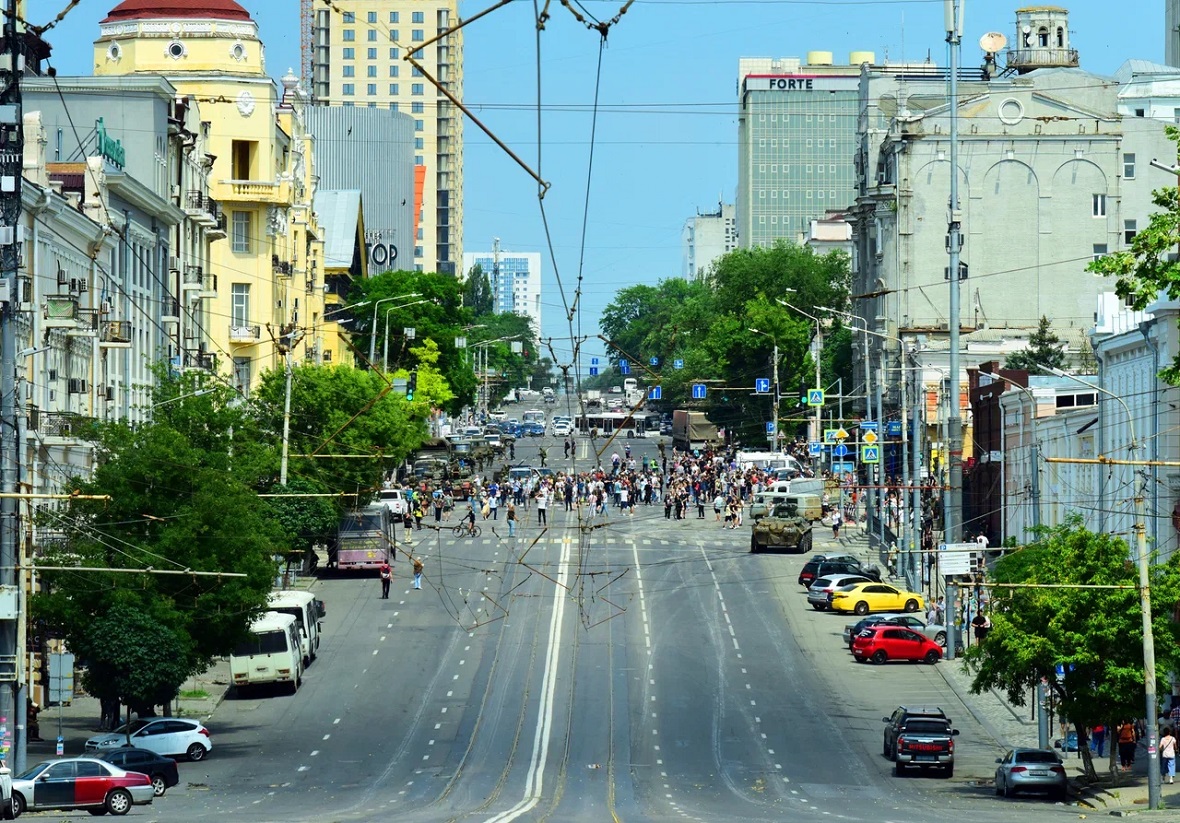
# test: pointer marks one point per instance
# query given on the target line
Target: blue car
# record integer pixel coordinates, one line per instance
(534, 429)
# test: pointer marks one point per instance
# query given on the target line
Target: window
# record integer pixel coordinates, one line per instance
(1140, 112)
(243, 225)
(393, 36)
(372, 54)
(417, 251)
(1128, 166)
(1130, 229)
(417, 107)
(1176, 116)
(372, 71)
(417, 35)
(349, 89)
(240, 304)
(415, 71)
(393, 88)
(349, 17)
(349, 53)
(242, 373)
(242, 159)
(371, 89)
(419, 160)
(349, 71)
(393, 71)
(417, 17)
(1098, 205)
(371, 35)
(419, 143)
(393, 15)
(393, 53)
(349, 35)
(416, 88)
(393, 106)
(1099, 250)
(419, 125)
(372, 17)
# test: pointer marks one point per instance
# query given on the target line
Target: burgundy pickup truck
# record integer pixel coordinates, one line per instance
(926, 743)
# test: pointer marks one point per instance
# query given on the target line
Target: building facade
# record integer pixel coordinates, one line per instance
(796, 141)
(260, 168)
(706, 237)
(1172, 32)
(355, 55)
(515, 280)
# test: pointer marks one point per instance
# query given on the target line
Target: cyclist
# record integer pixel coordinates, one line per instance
(469, 520)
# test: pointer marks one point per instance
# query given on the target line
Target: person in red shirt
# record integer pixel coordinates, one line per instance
(386, 573)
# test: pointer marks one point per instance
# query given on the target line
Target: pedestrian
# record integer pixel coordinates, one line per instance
(941, 609)
(417, 572)
(1098, 740)
(510, 516)
(1127, 740)
(386, 573)
(892, 557)
(542, 508)
(982, 625)
(932, 615)
(837, 519)
(34, 725)
(1168, 755)
(567, 448)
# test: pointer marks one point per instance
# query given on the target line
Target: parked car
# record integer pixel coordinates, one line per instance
(895, 722)
(80, 783)
(925, 743)
(1023, 770)
(934, 631)
(884, 642)
(875, 597)
(814, 569)
(162, 735)
(821, 590)
(162, 770)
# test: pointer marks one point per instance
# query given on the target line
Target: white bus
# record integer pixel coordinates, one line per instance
(269, 654)
(307, 611)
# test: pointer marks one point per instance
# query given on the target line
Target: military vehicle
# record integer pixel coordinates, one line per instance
(784, 528)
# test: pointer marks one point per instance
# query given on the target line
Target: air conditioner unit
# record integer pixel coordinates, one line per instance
(173, 265)
(62, 279)
(105, 308)
(109, 393)
(175, 190)
(76, 385)
(327, 357)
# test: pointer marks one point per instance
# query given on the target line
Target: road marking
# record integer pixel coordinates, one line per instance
(375, 651)
(326, 736)
(314, 752)
(303, 768)
(336, 722)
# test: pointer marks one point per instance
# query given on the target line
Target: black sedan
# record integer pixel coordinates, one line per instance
(162, 770)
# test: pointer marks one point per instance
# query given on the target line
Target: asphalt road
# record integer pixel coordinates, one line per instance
(626, 668)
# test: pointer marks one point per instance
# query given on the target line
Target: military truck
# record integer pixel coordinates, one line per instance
(784, 528)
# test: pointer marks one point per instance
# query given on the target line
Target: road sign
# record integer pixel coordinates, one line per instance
(594, 371)
(624, 367)
(870, 454)
(830, 435)
(955, 558)
(841, 433)
(844, 467)
(762, 385)
(655, 361)
(840, 450)
(770, 427)
(654, 393)
(893, 428)
(869, 437)
(815, 449)
(815, 397)
(867, 425)
(678, 364)
(698, 391)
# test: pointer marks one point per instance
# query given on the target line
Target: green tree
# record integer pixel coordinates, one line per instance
(477, 291)
(307, 520)
(1045, 349)
(1094, 633)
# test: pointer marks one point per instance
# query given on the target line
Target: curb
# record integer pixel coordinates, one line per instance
(967, 701)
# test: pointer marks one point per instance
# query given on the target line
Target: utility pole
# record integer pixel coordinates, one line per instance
(916, 472)
(776, 396)
(12, 142)
(287, 341)
(953, 516)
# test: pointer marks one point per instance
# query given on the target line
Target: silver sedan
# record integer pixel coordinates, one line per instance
(819, 594)
(1031, 770)
(934, 631)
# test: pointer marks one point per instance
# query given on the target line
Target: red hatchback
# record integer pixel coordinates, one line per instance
(883, 642)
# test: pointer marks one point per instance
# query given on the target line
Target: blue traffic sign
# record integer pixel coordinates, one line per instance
(867, 425)
(815, 397)
(762, 385)
(624, 367)
(840, 451)
(815, 449)
(698, 391)
(594, 371)
(870, 454)
(655, 361)
(678, 364)
(770, 427)
(654, 393)
(893, 428)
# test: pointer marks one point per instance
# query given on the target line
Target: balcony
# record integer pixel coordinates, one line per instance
(1042, 56)
(115, 334)
(60, 428)
(220, 229)
(203, 209)
(203, 360)
(169, 310)
(61, 311)
(208, 286)
(87, 323)
(282, 268)
(192, 278)
(257, 191)
(245, 334)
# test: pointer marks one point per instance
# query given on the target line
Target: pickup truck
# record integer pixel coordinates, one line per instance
(925, 743)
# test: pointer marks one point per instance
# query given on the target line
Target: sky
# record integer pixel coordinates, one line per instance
(665, 140)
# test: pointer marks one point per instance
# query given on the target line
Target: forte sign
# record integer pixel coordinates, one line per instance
(801, 82)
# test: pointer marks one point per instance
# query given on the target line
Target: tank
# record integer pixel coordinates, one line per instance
(784, 528)
(819, 58)
(857, 58)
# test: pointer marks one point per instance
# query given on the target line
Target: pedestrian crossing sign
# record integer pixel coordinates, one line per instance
(870, 454)
(815, 397)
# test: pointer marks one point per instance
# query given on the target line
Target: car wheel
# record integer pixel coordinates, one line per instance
(911, 605)
(159, 785)
(950, 772)
(119, 802)
(97, 812)
(999, 788)
(18, 805)
(879, 656)
(940, 639)
(1059, 796)
(885, 751)
(933, 657)
(819, 607)
(196, 752)
(1007, 790)
(898, 770)
(861, 608)
(753, 546)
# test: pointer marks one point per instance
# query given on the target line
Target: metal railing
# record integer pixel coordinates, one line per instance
(115, 331)
(244, 334)
(61, 424)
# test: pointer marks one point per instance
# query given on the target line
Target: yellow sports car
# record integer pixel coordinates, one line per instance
(863, 598)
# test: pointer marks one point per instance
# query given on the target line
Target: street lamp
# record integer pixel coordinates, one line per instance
(1140, 528)
(774, 362)
(817, 434)
(338, 309)
(385, 345)
(483, 376)
(373, 330)
(196, 393)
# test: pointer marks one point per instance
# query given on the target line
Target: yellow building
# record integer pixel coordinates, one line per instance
(262, 174)
(355, 58)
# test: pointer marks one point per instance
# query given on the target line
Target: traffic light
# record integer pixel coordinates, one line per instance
(412, 385)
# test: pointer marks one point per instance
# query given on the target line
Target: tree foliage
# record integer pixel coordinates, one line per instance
(1095, 634)
(1045, 349)
(477, 291)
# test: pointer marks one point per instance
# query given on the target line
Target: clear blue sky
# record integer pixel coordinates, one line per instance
(667, 128)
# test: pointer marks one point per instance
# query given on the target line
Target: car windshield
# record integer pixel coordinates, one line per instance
(33, 772)
(930, 726)
(1036, 757)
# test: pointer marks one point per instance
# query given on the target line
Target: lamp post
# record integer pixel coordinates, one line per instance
(483, 375)
(196, 393)
(817, 432)
(777, 393)
(1140, 529)
(373, 331)
(385, 344)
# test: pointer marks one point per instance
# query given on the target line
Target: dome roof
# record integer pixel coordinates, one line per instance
(178, 10)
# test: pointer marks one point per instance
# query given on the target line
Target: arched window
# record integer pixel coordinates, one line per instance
(1060, 37)
(1042, 37)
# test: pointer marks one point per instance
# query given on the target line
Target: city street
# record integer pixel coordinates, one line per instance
(635, 668)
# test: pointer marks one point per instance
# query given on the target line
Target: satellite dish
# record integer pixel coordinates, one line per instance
(993, 42)
(1027, 29)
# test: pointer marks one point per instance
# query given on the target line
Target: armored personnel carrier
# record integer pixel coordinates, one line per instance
(784, 528)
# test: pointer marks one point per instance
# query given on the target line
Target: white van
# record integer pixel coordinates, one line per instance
(307, 611)
(269, 654)
(393, 499)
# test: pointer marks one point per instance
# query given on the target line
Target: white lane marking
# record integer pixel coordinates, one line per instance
(534, 779)
(314, 752)
(303, 768)
(336, 722)
(326, 736)
(375, 651)
(382, 638)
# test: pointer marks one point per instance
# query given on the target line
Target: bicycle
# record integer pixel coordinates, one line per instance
(462, 530)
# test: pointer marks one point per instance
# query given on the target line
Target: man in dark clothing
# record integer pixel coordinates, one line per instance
(982, 625)
(386, 578)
